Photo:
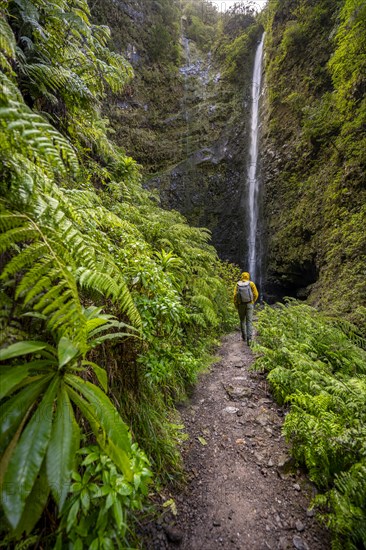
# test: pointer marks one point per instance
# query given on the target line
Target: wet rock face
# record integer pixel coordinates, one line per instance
(183, 120)
(289, 258)
(209, 190)
(208, 186)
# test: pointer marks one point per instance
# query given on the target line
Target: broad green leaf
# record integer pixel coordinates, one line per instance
(110, 418)
(85, 499)
(7, 454)
(35, 503)
(118, 514)
(110, 325)
(119, 456)
(105, 543)
(92, 324)
(13, 410)
(66, 351)
(110, 500)
(72, 515)
(92, 457)
(202, 440)
(85, 409)
(28, 456)
(101, 413)
(10, 377)
(62, 448)
(100, 373)
(42, 364)
(21, 348)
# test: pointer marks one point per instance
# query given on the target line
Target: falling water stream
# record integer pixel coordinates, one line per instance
(185, 71)
(253, 180)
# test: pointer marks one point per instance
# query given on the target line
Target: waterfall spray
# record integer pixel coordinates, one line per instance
(253, 180)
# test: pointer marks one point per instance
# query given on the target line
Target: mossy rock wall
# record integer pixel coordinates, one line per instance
(185, 117)
(314, 152)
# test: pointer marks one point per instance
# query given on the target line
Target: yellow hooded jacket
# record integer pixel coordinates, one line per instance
(246, 277)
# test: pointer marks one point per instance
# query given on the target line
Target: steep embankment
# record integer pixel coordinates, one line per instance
(314, 152)
(148, 34)
(185, 116)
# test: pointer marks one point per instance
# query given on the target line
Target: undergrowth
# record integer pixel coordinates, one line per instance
(317, 366)
(108, 304)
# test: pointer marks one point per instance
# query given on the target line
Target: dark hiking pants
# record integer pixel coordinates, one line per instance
(246, 320)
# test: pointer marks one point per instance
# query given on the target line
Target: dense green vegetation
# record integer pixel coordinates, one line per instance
(315, 190)
(108, 303)
(317, 366)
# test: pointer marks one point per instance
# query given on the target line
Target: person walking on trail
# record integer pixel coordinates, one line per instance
(245, 296)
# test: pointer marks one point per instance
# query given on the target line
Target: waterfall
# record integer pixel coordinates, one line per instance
(185, 70)
(253, 180)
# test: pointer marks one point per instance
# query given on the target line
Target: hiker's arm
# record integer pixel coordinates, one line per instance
(255, 292)
(235, 293)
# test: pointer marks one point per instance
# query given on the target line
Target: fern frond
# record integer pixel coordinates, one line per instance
(206, 307)
(108, 287)
(24, 259)
(58, 80)
(12, 237)
(35, 279)
(29, 133)
(350, 331)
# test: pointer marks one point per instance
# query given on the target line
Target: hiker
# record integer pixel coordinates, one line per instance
(245, 296)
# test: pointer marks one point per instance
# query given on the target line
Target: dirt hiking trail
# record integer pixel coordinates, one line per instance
(242, 492)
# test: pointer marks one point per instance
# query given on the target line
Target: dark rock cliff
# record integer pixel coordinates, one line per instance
(185, 116)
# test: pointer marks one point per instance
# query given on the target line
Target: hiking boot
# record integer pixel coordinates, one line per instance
(249, 342)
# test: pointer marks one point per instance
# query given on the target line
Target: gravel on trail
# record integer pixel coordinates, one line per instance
(243, 491)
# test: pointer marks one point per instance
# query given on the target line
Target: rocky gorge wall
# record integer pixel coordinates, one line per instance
(185, 116)
(313, 153)
(209, 185)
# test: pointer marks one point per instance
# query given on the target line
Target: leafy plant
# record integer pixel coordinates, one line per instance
(107, 302)
(320, 371)
(39, 431)
(96, 514)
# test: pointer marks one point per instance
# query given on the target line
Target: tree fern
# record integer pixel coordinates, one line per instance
(54, 262)
(64, 60)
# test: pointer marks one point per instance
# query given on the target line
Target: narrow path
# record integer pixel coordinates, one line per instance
(242, 490)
